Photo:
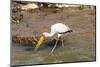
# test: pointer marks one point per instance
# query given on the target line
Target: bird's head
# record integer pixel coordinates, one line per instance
(45, 34)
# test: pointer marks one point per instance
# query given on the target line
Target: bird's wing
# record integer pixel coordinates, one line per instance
(59, 28)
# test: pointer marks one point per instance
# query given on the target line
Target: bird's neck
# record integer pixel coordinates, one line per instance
(50, 34)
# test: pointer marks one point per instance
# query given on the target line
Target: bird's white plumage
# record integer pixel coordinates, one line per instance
(59, 28)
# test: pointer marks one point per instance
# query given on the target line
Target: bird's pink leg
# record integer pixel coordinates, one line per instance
(54, 46)
(62, 42)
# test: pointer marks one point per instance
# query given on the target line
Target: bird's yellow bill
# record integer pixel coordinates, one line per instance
(42, 38)
(34, 41)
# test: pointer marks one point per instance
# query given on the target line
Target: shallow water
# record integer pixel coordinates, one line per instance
(73, 51)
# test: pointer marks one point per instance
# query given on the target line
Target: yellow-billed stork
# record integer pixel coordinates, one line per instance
(59, 29)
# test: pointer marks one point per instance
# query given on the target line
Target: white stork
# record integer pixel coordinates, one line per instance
(59, 29)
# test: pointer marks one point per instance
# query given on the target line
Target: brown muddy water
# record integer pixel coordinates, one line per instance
(78, 45)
